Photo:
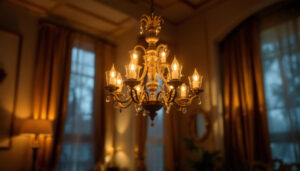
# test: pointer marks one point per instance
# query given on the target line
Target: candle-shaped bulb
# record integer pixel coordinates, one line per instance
(195, 80)
(119, 82)
(132, 67)
(175, 69)
(111, 76)
(183, 91)
(138, 89)
(134, 57)
(196, 75)
(113, 72)
(163, 57)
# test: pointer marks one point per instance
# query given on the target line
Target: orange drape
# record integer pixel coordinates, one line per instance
(141, 137)
(102, 111)
(246, 129)
(172, 141)
(51, 85)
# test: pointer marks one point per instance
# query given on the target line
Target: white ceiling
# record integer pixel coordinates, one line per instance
(113, 17)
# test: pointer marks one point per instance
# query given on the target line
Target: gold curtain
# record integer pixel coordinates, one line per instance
(246, 129)
(172, 157)
(141, 136)
(51, 85)
(102, 111)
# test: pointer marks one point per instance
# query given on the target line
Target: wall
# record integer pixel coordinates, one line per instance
(197, 43)
(16, 19)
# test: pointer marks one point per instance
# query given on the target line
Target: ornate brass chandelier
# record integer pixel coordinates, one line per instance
(159, 84)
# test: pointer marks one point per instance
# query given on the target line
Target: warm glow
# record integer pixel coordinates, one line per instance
(134, 56)
(112, 72)
(132, 67)
(196, 75)
(183, 88)
(196, 78)
(175, 64)
(175, 67)
(138, 89)
(183, 93)
(151, 80)
(119, 82)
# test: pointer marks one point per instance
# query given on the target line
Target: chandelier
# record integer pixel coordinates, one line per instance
(151, 82)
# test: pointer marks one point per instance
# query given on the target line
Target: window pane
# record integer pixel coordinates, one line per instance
(77, 146)
(280, 51)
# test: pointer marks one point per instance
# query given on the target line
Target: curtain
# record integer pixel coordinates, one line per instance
(68, 89)
(280, 49)
(246, 129)
(51, 83)
(141, 136)
(103, 112)
(172, 155)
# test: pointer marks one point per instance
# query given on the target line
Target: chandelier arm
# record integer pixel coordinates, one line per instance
(157, 95)
(161, 46)
(171, 99)
(121, 101)
(185, 103)
(141, 47)
(162, 76)
(122, 105)
(134, 96)
(143, 74)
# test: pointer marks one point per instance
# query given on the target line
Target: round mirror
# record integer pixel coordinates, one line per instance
(199, 126)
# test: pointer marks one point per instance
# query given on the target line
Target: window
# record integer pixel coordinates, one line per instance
(77, 147)
(280, 51)
(154, 143)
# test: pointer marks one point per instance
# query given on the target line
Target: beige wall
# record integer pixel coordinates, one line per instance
(13, 18)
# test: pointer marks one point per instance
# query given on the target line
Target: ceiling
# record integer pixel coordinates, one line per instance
(174, 11)
(113, 17)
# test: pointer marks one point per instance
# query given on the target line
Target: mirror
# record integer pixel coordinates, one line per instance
(199, 125)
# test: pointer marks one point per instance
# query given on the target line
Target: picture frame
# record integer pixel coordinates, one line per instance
(10, 53)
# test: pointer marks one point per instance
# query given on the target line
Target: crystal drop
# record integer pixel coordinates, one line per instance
(152, 123)
(144, 114)
(120, 110)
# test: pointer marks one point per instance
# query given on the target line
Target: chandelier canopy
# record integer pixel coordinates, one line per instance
(154, 84)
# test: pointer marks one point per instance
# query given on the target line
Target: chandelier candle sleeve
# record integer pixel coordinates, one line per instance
(111, 76)
(195, 80)
(175, 69)
(119, 83)
(134, 57)
(163, 57)
(183, 91)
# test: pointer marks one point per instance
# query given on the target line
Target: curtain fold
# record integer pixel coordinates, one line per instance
(246, 129)
(141, 136)
(172, 157)
(51, 83)
(102, 110)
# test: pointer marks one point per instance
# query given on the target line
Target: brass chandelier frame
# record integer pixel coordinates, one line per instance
(145, 90)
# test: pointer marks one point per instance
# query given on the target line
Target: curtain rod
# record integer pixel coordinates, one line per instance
(70, 28)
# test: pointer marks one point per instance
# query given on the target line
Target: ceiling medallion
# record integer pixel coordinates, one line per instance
(154, 84)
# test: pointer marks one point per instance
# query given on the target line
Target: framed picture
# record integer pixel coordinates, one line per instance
(10, 49)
